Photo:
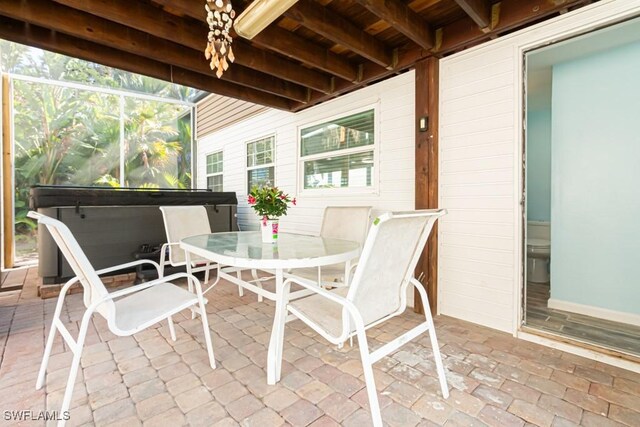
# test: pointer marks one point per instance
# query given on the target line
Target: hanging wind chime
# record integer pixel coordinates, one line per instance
(220, 16)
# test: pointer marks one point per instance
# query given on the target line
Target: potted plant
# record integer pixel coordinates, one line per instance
(270, 203)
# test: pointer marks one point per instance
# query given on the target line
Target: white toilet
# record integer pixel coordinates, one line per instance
(538, 251)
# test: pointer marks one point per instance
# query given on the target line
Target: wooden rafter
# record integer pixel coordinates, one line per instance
(512, 14)
(140, 18)
(456, 35)
(172, 32)
(43, 38)
(91, 28)
(403, 19)
(283, 42)
(478, 10)
(340, 30)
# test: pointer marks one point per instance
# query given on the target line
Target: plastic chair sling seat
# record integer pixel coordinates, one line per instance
(380, 275)
(142, 309)
(181, 222)
(376, 293)
(126, 311)
(339, 222)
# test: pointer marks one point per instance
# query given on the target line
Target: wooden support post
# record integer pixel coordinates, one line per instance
(426, 85)
(7, 175)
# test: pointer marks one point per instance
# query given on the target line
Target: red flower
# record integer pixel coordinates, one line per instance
(283, 196)
(251, 200)
(294, 201)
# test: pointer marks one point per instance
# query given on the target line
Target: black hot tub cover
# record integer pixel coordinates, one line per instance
(47, 196)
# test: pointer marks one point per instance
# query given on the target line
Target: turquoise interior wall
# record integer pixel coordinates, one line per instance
(539, 165)
(595, 192)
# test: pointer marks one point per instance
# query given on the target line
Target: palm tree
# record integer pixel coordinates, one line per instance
(70, 136)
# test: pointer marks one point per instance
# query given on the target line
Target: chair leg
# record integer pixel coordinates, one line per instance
(437, 356)
(172, 329)
(45, 357)
(434, 340)
(205, 327)
(189, 266)
(369, 379)
(75, 364)
(52, 334)
(73, 373)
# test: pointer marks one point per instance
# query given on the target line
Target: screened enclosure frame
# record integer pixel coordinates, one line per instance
(121, 94)
(8, 216)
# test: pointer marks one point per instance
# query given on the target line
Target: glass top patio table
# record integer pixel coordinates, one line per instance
(245, 249)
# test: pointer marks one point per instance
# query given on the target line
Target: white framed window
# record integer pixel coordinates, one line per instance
(215, 171)
(340, 153)
(261, 167)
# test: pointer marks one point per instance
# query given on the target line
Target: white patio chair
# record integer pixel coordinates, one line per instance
(181, 222)
(339, 222)
(377, 292)
(126, 311)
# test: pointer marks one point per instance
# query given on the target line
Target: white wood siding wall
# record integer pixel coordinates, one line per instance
(395, 99)
(216, 111)
(481, 130)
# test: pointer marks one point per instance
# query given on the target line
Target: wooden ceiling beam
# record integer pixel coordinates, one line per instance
(278, 40)
(287, 43)
(478, 10)
(510, 14)
(340, 30)
(32, 35)
(403, 19)
(154, 21)
(455, 36)
(104, 32)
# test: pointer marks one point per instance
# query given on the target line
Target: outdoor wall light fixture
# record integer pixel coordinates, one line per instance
(423, 123)
(258, 15)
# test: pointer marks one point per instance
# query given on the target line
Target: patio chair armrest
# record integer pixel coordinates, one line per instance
(75, 279)
(146, 285)
(128, 265)
(164, 246)
(320, 291)
(350, 273)
(347, 306)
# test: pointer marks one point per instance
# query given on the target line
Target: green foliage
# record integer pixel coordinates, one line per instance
(270, 202)
(19, 59)
(69, 136)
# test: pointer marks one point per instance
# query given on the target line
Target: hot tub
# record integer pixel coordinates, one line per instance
(112, 224)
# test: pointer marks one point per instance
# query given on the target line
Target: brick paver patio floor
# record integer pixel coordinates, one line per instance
(148, 379)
